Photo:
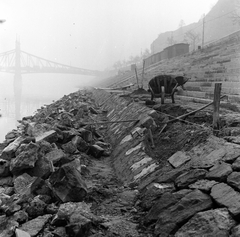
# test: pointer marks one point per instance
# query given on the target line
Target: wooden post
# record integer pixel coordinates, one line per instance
(216, 105)
(143, 72)
(136, 76)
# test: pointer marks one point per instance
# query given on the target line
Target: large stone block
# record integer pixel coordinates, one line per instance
(226, 196)
(219, 172)
(185, 208)
(190, 177)
(217, 222)
(67, 184)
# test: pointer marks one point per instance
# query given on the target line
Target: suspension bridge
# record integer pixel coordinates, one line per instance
(16, 60)
(20, 62)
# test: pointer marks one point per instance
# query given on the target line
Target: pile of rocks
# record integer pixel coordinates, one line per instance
(42, 170)
(199, 196)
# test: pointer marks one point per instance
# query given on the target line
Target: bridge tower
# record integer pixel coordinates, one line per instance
(17, 83)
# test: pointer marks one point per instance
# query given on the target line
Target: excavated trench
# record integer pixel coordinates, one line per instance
(96, 164)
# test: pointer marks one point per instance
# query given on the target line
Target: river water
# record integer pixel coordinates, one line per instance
(37, 90)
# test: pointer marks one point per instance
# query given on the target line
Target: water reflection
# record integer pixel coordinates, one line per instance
(6, 125)
(37, 90)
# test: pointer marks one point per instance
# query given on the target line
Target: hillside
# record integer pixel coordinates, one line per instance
(218, 23)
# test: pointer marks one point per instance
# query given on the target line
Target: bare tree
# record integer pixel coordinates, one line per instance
(235, 16)
(193, 37)
(181, 23)
(171, 41)
(117, 65)
(145, 54)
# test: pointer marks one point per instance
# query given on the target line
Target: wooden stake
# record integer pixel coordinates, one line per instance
(164, 126)
(143, 72)
(216, 105)
(151, 138)
(193, 112)
(136, 76)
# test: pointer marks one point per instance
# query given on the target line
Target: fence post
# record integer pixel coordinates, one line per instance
(216, 105)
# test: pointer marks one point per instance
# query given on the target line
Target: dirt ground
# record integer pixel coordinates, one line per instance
(115, 202)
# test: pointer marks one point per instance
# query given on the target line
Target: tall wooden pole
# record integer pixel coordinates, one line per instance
(137, 76)
(216, 105)
(203, 31)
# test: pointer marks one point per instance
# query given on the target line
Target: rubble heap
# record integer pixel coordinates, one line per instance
(43, 170)
(73, 169)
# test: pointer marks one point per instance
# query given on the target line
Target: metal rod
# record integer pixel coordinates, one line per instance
(118, 121)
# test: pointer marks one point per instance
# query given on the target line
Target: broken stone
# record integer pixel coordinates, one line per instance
(51, 209)
(55, 155)
(49, 136)
(25, 160)
(80, 228)
(59, 231)
(219, 172)
(78, 215)
(42, 168)
(34, 226)
(92, 110)
(27, 140)
(170, 176)
(4, 168)
(10, 208)
(234, 180)
(154, 114)
(178, 159)
(148, 122)
(203, 185)
(21, 233)
(20, 216)
(120, 227)
(9, 151)
(7, 227)
(36, 207)
(96, 151)
(163, 203)
(6, 181)
(67, 184)
(209, 160)
(69, 148)
(11, 135)
(185, 208)
(236, 231)
(217, 222)
(22, 184)
(86, 135)
(190, 177)
(153, 192)
(226, 196)
(232, 154)
(128, 197)
(66, 119)
(236, 165)
(80, 143)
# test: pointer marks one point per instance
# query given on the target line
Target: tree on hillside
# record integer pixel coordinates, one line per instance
(181, 23)
(235, 16)
(193, 37)
(145, 54)
(117, 65)
(170, 40)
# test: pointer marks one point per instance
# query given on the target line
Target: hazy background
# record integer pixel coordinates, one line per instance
(91, 34)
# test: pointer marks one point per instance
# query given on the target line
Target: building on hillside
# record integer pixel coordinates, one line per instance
(167, 53)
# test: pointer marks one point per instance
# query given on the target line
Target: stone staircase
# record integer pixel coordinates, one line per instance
(216, 62)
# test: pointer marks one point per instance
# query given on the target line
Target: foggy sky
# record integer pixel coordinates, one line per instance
(92, 34)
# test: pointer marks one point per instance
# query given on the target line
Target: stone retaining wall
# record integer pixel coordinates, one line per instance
(216, 62)
(131, 163)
